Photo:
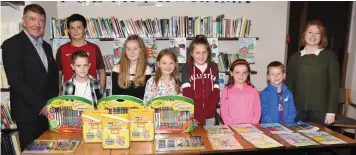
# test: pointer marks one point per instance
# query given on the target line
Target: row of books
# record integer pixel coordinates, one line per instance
(6, 120)
(176, 26)
(9, 29)
(222, 137)
(225, 60)
(10, 143)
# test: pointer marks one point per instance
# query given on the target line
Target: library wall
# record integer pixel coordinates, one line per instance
(51, 11)
(9, 14)
(269, 23)
(351, 66)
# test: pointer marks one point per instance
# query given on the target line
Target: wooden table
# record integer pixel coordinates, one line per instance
(82, 149)
(248, 147)
(149, 147)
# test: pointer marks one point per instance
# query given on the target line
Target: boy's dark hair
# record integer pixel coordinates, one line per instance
(275, 64)
(202, 40)
(77, 17)
(34, 8)
(79, 53)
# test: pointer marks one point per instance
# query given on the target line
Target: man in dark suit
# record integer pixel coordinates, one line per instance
(32, 74)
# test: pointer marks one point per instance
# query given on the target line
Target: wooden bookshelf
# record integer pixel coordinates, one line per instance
(5, 89)
(188, 38)
(8, 130)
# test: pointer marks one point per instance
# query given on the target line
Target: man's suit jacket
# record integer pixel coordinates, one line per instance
(31, 86)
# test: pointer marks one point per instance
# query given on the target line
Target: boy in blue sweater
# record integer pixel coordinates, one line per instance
(276, 99)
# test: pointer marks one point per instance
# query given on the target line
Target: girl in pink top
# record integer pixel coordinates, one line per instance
(240, 101)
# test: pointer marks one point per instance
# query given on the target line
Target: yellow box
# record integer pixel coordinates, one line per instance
(91, 120)
(141, 124)
(115, 131)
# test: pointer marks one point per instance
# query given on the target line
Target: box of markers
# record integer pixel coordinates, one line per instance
(172, 114)
(91, 120)
(64, 113)
(115, 131)
(52, 146)
(141, 124)
(120, 104)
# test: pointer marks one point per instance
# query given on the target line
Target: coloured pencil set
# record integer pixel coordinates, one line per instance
(64, 113)
(53, 146)
(120, 104)
(172, 114)
(169, 119)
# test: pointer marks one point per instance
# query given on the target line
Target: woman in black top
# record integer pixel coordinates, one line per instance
(129, 77)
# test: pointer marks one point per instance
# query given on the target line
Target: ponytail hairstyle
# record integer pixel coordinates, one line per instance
(199, 40)
(231, 80)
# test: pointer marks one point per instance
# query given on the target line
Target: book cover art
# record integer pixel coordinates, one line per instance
(218, 130)
(303, 127)
(297, 139)
(56, 43)
(152, 51)
(324, 138)
(224, 143)
(214, 45)
(246, 49)
(53, 146)
(260, 140)
(179, 47)
(118, 49)
(275, 128)
(179, 143)
(245, 128)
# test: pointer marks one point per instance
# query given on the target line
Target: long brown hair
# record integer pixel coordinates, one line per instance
(140, 73)
(175, 73)
(231, 80)
(323, 35)
(198, 40)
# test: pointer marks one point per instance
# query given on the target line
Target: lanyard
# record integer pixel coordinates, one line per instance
(280, 107)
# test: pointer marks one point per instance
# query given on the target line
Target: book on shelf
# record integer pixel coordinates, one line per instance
(9, 29)
(225, 60)
(4, 82)
(179, 48)
(174, 27)
(10, 143)
(6, 120)
(275, 128)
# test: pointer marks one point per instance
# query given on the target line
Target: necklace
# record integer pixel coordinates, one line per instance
(85, 90)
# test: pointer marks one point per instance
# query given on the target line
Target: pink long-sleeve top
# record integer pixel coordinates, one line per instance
(240, 105)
